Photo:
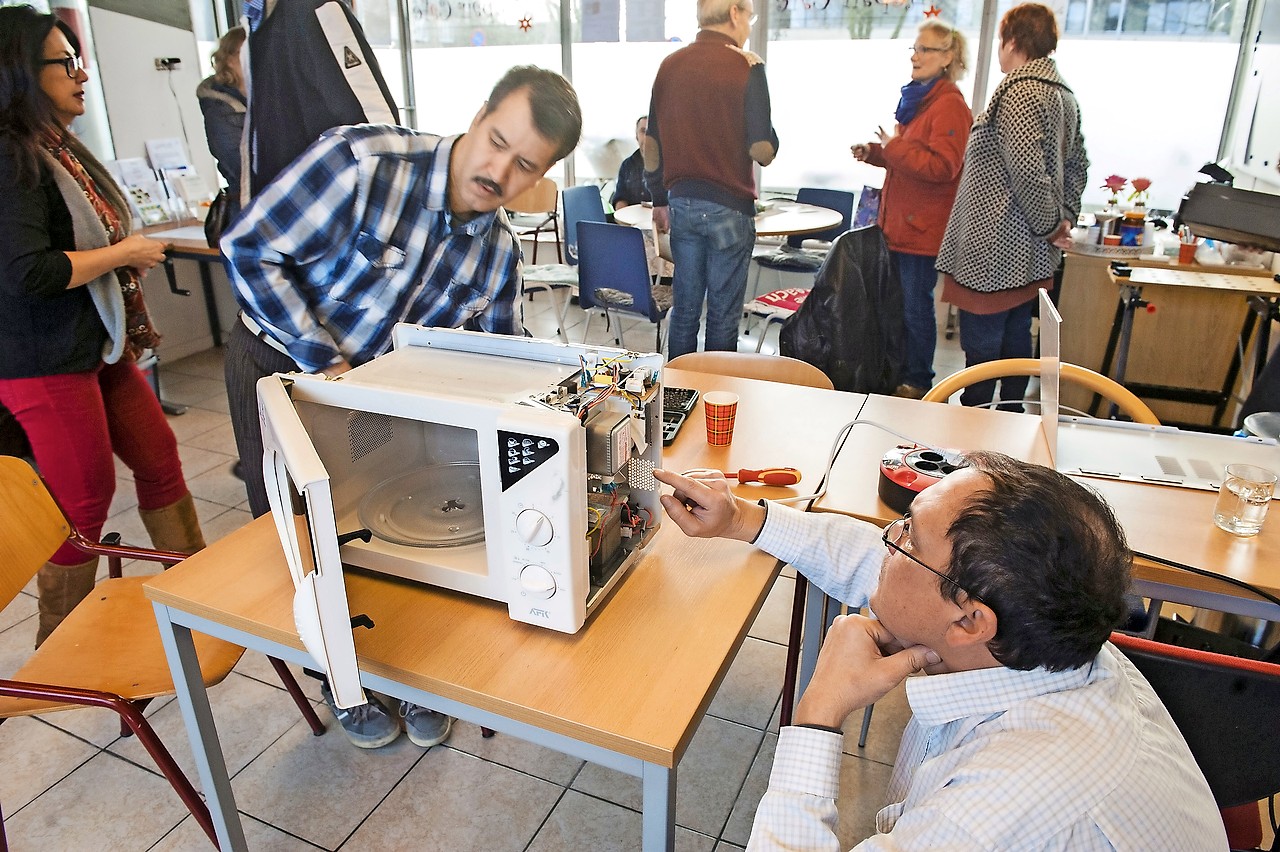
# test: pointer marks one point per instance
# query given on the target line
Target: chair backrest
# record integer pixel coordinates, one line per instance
(539, 198)
(613, 257)
(753, 365)
(34, 526)
(581, 204)
(838, 200)
(1110, 389)
(1225, 708)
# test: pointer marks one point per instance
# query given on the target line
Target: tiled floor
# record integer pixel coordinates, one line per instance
(70, 781)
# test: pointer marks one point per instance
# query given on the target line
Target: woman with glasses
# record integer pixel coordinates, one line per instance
(72, 319)
(1024, 172)
(922, 161)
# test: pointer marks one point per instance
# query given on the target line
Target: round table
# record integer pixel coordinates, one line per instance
(778, 219)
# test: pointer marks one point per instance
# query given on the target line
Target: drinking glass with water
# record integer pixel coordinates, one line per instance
(1243, 499)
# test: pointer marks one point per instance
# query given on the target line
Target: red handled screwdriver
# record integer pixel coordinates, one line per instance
(767, 476)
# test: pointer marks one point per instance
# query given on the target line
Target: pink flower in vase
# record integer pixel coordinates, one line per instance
(1114, 183)
(1139, 194)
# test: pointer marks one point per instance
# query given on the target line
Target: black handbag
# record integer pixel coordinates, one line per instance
(218, 219)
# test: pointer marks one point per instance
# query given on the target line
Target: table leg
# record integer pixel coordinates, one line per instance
(658, 819)
(1132, 297)
(819, 612)
(196, 714)
(210, 302)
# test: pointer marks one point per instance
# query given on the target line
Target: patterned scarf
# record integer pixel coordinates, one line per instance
(140, 333)
(912, 94)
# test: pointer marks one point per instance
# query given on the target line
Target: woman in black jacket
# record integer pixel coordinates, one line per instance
(222, 100)
(72, 319)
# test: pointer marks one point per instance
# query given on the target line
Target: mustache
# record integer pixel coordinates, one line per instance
(489, 184)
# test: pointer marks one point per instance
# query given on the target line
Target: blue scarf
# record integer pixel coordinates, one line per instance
(912, 94)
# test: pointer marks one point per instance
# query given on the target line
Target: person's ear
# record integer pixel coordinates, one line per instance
(976, 625)
(475, 122)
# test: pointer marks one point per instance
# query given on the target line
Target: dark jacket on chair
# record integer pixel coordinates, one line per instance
(850, 327)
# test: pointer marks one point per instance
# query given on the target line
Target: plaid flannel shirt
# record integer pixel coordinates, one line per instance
(355, 236)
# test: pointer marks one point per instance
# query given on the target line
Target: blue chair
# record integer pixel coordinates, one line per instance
(613, 275)
(794, 256)
(581, 204)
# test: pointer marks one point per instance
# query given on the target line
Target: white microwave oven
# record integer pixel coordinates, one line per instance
(514, 469)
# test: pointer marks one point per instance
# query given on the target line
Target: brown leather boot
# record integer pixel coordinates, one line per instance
(61, 587)
(174, 527)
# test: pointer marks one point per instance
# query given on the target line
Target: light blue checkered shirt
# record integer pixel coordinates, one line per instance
(356, 236)
(992, 759)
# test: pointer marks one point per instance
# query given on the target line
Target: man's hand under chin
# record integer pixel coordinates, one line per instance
(860, 661)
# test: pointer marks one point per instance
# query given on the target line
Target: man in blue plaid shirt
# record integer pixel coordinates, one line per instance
(374, 225)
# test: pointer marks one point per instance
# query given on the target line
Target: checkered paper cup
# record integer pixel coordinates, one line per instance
(721, 409)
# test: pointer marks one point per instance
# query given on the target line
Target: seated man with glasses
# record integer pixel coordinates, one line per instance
(1030, 730)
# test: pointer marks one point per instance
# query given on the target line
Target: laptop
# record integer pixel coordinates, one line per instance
(1133, 452)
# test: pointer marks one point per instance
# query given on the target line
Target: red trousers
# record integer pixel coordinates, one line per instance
(76, 421)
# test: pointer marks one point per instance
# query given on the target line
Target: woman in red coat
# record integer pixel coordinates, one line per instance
(922, 160)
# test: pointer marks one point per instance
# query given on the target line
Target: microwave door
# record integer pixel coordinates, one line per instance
(301, 502)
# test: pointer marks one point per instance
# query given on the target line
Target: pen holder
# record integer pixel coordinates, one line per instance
(1186, 253)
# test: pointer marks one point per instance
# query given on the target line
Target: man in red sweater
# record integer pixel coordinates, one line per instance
(709, 120)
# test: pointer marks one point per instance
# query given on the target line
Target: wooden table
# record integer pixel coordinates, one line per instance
(1205, 323)
(627, 691)
(1172, 523)
(1258, 286)
(778, 219)
(185, 241)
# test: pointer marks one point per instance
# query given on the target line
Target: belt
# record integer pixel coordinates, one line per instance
(257, 331)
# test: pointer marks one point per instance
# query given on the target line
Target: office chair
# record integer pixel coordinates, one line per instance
(1226, 709)
(538, 202)
(777, 306)
(794, 256)
(581, 204)
(613, 275)
(1128, 403)
(107, 652)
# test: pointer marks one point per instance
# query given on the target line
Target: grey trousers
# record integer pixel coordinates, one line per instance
(247, 360)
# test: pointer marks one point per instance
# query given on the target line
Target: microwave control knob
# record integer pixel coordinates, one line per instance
(534, 527)
(537, 582)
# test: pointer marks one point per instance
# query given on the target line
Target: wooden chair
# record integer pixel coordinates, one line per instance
(1123, 398)
(539, 203)
(751, 365)
(1226, 709)
(107, 653)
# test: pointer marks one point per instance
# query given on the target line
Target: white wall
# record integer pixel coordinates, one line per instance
(140, 105)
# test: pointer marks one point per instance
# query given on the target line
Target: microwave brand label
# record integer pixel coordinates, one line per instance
(519, 453)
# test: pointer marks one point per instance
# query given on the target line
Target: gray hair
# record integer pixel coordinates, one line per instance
(954, 41)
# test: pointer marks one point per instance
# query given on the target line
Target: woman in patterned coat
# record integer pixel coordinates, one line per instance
(1025, 169)
(922, 160)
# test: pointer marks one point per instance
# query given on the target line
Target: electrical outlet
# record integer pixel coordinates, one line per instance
(168, 63)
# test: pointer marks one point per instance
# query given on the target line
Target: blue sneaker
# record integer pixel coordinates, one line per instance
(425, 727)
(366, 725)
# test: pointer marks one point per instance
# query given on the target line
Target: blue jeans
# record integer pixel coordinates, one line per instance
(990, 337)
(920, 322)
(711, 246)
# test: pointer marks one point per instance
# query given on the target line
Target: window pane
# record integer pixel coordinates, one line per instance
(1134, 131)
(835, 76)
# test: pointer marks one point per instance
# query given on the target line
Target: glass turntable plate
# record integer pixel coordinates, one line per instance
(434, 506)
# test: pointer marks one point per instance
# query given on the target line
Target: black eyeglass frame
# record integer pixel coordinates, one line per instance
(904, 525)
(71, 64)
(920, 48)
